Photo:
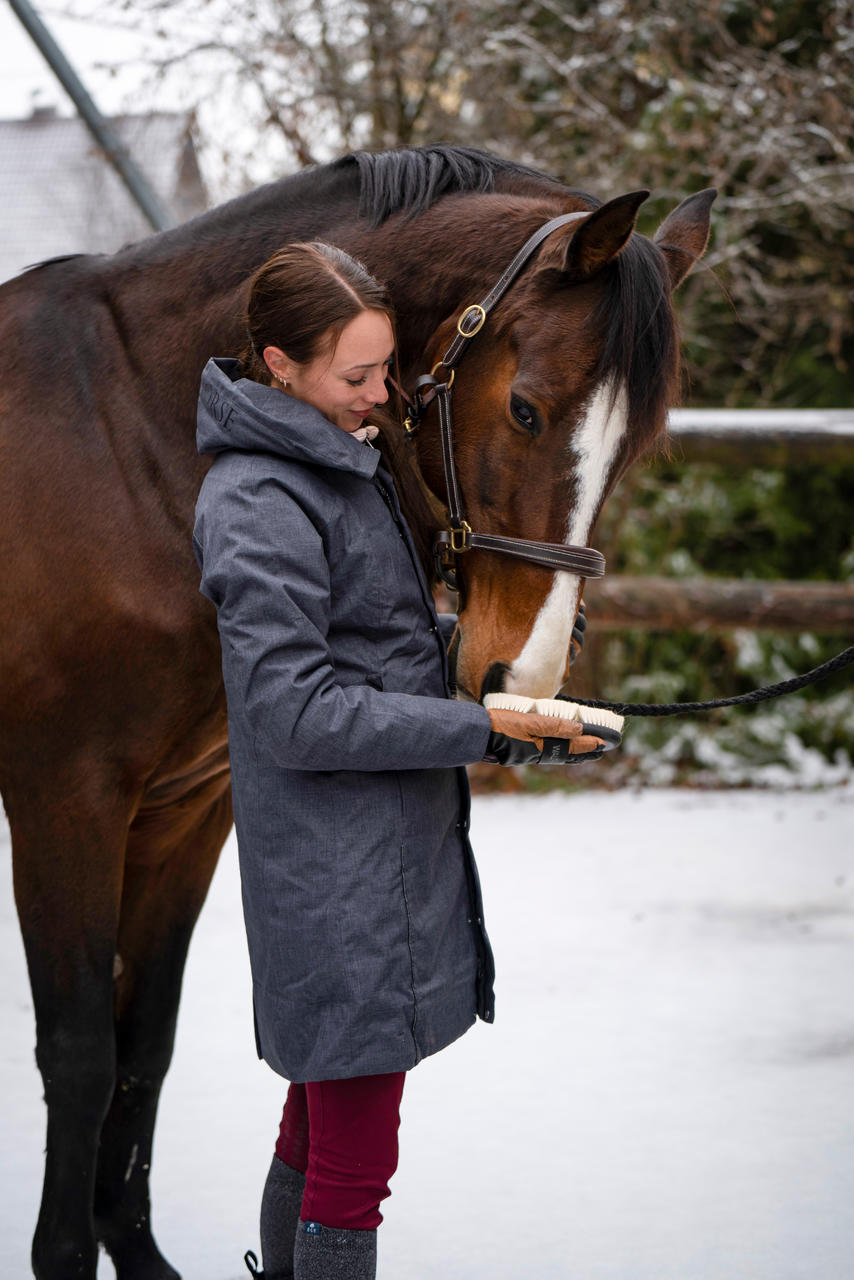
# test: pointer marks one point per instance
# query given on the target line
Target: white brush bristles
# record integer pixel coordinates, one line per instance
(572, 711)
(507, 702)
(555, 707)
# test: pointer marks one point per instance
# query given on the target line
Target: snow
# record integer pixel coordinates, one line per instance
(666, 1094)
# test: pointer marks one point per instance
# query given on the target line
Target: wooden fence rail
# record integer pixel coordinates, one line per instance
(719, 604)
(763, 437)
(746, 437)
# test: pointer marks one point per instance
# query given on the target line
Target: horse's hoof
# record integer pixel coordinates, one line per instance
(140, 1260)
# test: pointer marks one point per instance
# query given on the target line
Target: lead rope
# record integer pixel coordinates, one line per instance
(843, 659)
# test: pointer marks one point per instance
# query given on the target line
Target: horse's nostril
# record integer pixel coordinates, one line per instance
(493, 681)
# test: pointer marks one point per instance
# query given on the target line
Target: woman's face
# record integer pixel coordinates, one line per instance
(346, 385)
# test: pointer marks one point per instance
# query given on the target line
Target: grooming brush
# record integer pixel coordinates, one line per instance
(597, 722)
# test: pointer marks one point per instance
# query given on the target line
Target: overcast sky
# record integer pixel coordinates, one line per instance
(26, 79)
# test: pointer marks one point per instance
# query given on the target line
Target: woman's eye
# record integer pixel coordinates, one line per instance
(525, 415)
(360, 382)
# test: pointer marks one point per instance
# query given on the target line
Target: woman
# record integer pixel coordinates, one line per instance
(360, 891)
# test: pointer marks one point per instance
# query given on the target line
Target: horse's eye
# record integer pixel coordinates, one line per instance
(525, 415)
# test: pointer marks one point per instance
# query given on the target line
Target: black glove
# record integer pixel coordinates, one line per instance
(503, 750)
(532, 738)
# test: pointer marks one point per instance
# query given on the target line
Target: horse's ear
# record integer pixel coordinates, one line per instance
(684, 234)
(601, 236)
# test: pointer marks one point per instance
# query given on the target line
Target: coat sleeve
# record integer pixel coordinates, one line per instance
(264, 567)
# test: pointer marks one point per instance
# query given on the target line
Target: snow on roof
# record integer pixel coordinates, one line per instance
(60, 195)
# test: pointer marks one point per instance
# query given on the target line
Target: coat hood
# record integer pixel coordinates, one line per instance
(236, 413)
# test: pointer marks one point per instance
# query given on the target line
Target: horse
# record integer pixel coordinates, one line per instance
(113, 753)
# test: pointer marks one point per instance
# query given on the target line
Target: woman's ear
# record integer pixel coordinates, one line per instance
(278, 363)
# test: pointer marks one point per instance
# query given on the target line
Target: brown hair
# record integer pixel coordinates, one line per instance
(301, 299)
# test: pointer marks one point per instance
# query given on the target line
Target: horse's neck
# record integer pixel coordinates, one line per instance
(231, 240)
(182, 294)
(187, 286)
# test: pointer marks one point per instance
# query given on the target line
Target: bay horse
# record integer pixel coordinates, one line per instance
(113, 752)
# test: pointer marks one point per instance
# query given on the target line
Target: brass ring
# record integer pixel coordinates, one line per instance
(439, 365)
(469, 333)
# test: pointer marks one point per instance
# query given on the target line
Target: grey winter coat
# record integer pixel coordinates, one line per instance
(360, 891)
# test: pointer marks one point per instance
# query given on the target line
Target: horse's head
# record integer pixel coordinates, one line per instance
(568, 382)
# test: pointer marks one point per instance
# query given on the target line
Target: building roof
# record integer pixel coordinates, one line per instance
(60, 194)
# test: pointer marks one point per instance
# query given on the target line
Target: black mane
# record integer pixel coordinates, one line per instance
(411, 179)
(639, 337)
(50, 262)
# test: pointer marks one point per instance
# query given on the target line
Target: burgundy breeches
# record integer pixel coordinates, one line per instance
(343, 1135)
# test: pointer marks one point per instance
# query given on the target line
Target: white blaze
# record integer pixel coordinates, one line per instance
(538, 670)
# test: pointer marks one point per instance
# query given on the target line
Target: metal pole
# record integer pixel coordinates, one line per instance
(131, 175)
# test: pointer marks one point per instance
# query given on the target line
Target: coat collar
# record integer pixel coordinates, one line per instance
(236, 413)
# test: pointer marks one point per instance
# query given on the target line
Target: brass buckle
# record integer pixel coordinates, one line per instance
(440, 364)
(469, 333)
(458, 536)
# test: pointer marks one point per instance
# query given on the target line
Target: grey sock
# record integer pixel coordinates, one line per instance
(331, 1253)
(280, 1210)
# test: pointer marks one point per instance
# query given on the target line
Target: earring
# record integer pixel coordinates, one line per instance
(279, 378)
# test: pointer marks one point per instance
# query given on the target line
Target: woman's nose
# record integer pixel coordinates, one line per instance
(379, 390)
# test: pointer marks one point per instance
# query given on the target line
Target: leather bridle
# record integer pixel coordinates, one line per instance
(459, 537)
(584, 561)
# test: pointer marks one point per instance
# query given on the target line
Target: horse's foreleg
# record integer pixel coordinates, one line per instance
(68, 840)
(170, 860)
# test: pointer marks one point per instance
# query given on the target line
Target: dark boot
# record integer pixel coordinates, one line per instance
(331, 1253)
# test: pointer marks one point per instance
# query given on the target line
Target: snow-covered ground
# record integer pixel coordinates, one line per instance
(667, 1094)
